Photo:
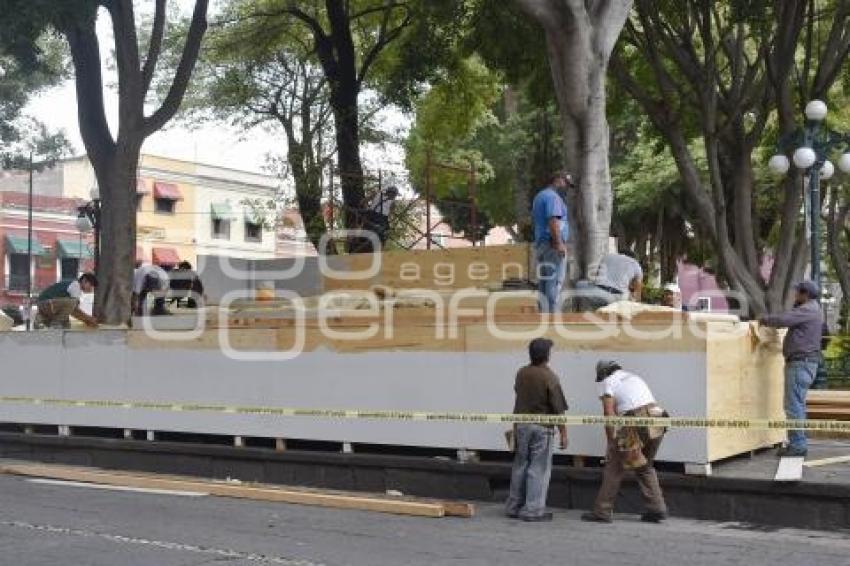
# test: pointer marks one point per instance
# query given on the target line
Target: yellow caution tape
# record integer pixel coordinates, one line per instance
(503, 418)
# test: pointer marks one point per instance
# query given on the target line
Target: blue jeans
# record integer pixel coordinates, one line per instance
(532, 470)
(551, 272)
(799, 376)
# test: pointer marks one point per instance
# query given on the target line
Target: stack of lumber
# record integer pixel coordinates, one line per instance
(826, 404)
(380, 503)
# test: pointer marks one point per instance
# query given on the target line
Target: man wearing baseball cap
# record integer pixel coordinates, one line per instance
(802, 351)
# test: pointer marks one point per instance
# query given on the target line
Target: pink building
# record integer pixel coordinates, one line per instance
(59, 251)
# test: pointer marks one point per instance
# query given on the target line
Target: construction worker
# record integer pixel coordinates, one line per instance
(538, 392)
(60, 301)
(620, 276)
(149, 279)
(551, 233)
(377, 213)
(629, 448)
(802, 351)
(672, 296)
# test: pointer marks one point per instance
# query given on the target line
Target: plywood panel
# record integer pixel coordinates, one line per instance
(458, 268)
(744, 381)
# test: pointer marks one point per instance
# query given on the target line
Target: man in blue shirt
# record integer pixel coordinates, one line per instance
(551, 232)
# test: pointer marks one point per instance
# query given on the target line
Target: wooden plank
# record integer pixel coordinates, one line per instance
(337, 500)
(789, 469)
(827, 461)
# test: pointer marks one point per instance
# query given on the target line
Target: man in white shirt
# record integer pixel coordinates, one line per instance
(629, 448)
(149, 278)
(621, 276)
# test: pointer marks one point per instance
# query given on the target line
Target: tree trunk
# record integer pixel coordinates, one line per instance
(579, 42)
(308, 188)
(346, 119)
(836, 226)
(117, 184)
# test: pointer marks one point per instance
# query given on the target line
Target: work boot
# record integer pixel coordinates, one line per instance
(591, 517)
(792, 452)
(653, 517)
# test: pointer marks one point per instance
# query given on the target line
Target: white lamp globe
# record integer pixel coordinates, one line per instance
(804, 157)
(816, 110)
(827, 171)
(844, 162)
(84, 225)
(779, 164)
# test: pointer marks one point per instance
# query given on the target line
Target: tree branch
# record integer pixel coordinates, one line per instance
(184, 70)
(155, 45)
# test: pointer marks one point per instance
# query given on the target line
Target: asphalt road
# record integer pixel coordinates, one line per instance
(62, 525)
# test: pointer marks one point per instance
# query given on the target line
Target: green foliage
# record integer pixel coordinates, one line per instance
(31, 60)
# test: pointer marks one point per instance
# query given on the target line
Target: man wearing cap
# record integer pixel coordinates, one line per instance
(538, 392)
(629, 448)
(551, 232)
(801, 349)
(672, 296)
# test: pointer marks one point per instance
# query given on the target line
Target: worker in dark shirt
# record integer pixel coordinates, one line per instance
(538, 392)
(802, 351)
(60, 301)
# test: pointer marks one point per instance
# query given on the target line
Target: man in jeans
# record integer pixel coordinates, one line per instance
(802, 355)
(551, 232)
(538, 392)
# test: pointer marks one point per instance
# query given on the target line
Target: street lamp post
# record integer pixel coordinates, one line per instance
(811, 147)
(90, 212)
(84, 226)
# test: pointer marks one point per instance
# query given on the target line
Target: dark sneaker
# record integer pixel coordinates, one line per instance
(537, 518)
(512, 515)
(594, 518)
(792, 452)
(652, 517)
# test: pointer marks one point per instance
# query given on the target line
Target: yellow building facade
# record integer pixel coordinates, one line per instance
(186, 209)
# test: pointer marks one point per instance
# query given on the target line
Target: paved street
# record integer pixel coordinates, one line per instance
(42, 524)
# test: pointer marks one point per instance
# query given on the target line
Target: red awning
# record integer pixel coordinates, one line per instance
(165, 256)
(168, 191)
(141, 187)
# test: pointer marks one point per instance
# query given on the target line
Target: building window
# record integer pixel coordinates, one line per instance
(69, 268)
(164, 205)
(253, 232)
(19, 267)
(220, 229)
(703, 304)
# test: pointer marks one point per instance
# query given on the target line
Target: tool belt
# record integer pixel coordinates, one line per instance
(631, 440)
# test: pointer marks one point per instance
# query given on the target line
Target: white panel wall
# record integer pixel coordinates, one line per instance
(100, 366)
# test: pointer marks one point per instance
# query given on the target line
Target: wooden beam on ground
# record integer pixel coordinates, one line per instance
(828, 461)
(258, 492)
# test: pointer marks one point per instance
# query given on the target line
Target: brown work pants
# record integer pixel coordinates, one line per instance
(615, 470)
(56, 313)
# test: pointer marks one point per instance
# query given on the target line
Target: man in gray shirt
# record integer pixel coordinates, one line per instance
(621, 276)
(801, 349)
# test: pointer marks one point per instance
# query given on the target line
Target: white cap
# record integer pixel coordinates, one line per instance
(672, 287)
